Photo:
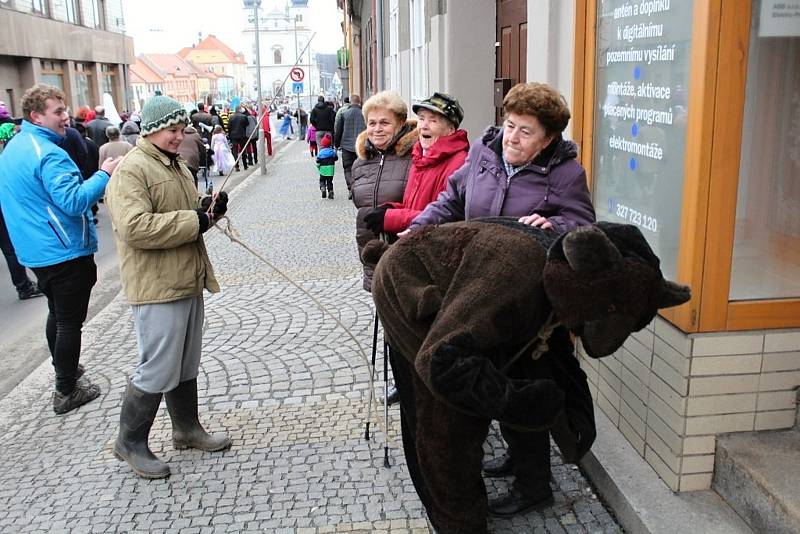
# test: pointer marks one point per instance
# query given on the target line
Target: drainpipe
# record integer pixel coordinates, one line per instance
(379, 42)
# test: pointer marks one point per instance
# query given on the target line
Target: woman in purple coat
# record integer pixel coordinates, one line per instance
(524, 169)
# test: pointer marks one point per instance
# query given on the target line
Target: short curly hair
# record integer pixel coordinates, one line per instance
(35, 99)
(388, 100)
(541, 101)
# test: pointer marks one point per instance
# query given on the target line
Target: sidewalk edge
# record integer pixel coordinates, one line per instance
(641, 501)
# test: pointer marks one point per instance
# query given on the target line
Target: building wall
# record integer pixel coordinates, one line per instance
(455, 61)
(551, 45)
(30, 38)
(468, 58)
(670, 393)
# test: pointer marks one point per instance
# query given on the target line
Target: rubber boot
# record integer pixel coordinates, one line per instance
(135, 420)
(187, 432)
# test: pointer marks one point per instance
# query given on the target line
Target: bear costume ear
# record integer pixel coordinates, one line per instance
(673, 294)
(587, 249)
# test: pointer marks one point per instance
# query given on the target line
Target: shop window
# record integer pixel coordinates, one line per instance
(83, 85)
(766, 248)
(642, 72)
(52, 73)
(108, 79)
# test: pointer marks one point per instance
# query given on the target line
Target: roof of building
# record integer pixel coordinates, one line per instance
(145, 71)
(211, 50)
(170, 64)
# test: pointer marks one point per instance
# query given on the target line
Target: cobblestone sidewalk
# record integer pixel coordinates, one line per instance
(281, 377)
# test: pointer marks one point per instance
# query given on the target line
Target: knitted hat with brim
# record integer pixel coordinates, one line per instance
(161, 112)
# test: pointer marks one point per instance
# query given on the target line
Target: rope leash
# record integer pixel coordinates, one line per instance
(541, 342)
(230, 232)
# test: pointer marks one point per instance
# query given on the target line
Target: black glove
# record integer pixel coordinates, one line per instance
(220, 206)
(374, 220)
(205, 222)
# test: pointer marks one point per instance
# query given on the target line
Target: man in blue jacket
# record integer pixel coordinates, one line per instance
(47, 208)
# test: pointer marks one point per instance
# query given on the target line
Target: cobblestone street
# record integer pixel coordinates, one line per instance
(287, 383)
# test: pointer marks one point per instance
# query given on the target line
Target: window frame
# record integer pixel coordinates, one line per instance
(418, 50)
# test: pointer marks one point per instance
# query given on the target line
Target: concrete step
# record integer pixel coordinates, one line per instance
(758, 474)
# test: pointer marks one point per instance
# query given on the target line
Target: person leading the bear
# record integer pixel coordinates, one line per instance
(524, 169)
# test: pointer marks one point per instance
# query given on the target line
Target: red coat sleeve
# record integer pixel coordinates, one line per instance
(422, 188)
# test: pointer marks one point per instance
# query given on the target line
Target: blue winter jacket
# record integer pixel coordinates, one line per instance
(45, 201)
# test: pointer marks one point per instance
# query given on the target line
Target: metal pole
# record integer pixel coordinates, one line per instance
(297, 61)
(260, 103)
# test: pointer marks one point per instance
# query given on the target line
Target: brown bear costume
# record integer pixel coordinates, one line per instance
(459, 301)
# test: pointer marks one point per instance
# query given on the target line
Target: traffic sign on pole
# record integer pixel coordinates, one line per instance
(297, 74)
(297, 88)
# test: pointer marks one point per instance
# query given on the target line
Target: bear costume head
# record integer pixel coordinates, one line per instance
(604, 282)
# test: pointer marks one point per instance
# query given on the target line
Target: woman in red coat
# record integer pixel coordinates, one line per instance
(440, 151)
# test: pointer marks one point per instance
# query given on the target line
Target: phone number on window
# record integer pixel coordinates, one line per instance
(636, 217)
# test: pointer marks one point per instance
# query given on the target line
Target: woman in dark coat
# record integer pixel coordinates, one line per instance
(384, 156)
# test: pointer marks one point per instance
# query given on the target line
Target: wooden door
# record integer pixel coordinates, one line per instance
(512, 52)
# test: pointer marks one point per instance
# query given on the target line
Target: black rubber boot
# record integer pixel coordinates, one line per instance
(135, 420)
(187, 432)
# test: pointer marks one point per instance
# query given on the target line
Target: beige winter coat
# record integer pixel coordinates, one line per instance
(152, 201)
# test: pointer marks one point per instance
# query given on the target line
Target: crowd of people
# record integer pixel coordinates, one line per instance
(404, 175)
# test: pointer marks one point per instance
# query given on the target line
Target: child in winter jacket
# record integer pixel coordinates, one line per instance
(326, 163)
(311, 137)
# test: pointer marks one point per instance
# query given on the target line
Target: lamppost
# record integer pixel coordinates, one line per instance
(260, 101)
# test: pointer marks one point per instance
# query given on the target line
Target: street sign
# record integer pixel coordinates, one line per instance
(297, 74)
(297, 88)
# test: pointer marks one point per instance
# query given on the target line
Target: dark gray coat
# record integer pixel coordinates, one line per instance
(380, 177)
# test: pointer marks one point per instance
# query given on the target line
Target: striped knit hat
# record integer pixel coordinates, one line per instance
(161, 112)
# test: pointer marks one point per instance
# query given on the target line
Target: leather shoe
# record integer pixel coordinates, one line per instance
(499, 467)
(393, 397)
(515, 503)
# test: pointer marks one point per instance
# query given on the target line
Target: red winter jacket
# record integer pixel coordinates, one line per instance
(427, 177)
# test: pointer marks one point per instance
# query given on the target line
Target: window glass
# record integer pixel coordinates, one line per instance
(83, 85)
(766, 249)
(643, 52)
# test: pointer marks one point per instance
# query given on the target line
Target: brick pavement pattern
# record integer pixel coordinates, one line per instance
(280, 376)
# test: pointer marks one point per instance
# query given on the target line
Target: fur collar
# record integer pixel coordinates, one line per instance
(401, 146)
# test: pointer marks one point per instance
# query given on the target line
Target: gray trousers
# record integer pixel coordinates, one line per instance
(170, 338)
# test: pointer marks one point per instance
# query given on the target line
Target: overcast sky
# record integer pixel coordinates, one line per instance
(166, 26)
